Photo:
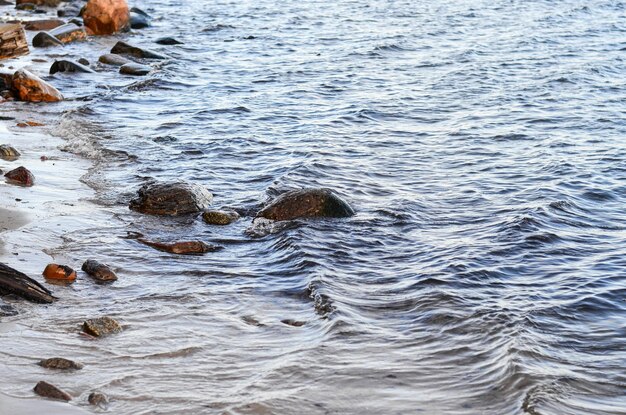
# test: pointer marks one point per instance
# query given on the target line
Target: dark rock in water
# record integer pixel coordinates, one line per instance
(123, 48)
(69, 33)
(43, 24)
(8, 153)
(77, 21)
(182, 247)
(60, 364)
(21, 176)
(83, 61)
(139, 11)
(99, 271)
(98, 399)
(44, 39)
(112, 59)
(136, 69)
(171, 198)
(69, 66)
(168, 41)
(14, 282)
(47, 390)
(101, 327)
(306, 203)
(220, 217)
(294, 323)
(138, 21)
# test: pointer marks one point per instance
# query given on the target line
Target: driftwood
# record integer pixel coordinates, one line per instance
(12, 41)
(14, 282)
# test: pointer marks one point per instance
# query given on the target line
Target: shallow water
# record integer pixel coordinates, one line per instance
(480, 143)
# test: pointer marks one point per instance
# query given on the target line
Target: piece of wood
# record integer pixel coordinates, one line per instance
(12, 41)
(15, 282)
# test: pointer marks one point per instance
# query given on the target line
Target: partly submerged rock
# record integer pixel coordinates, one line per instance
(138, 21)
(123, 48)
(98, 399)
(171, 198)
(69, 66)
(30, 87)
(181, 247)
(45, 39)
(60, 363)
(8, 153)
(168, 41)
(306, 203)
(48, 390)
(105, 17)
(69, 32)
(113, 59)
(15, 282)
(220, 217)
(98, 271)
(59, 273)
(101, 326)
(136, 69)
(21, 176)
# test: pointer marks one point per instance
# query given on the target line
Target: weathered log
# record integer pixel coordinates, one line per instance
(12, 41)
(15, 282)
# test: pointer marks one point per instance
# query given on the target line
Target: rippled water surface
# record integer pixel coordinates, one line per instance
(481, 144)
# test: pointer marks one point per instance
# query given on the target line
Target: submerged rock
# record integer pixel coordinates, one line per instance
(168, 41)
(181, 247)
(60, 363)
(101, 327)
(99, 271)
(112, 59)
(98, 399)
(30, 87)
(8, 153)
(69, 32)
(220, 217)
(48, 390)
(45, 39)
(59, 273)
(123, 48)
(138, 21)
(21, 176)
(17, 283)
(105, 17)
(69, 66)
(306, 203)
(171, 198)
(136, 69)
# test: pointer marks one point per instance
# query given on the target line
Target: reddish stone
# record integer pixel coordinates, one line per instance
(21, 176)
(59, 272)
(30, 87)
(105, 17)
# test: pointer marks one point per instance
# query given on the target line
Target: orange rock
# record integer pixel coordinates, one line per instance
(105, 17)
(30, 124)
(69, 33)
(30, 87)
(59, 272)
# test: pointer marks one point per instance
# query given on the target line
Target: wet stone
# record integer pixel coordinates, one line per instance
(98, 271)
(293, 323)
(69, 33)
(83, 61)
(43, 24)
(8, 153)
(101, 327)
(21, 176)
(60, 363)
(168, 41)
(114, 60)
(45, 39)
(123, 48)
(98, 399)
(182, 247)
(138, 21)
(48, 390)
(31, 88)
(171, 198)
(105, 17)
(69, 66)
(59, 273)
(220, 217)
(136, 69)
(306, 203)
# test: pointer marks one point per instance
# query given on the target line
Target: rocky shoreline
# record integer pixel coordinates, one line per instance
(76, 22)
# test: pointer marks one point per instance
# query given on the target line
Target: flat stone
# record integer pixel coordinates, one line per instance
(101, 327)
(123, 48)
(220, 217)
(181, 247)
(168, 41)
(48, 390)
(136, 69)
(113, 59)
(69, 32)
(43, 24)
(60, 363)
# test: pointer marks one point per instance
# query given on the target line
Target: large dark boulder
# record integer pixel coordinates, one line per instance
(306, 203)
(15, 282)
(176, 198)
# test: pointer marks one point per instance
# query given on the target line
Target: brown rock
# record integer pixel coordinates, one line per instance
(101, 327)
(13, 41)
(171, 198)
(220, 217)
(306, 203)
(30, 87)
(182, 247)
(60, 364)
(105, 17)
(98, 399)
(47, 390)
(99, 271)
(59, 273)
(8, 153)
(43, 24)
(21, 176)
(69, 33)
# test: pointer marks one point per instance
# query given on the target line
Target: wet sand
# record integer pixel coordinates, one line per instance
(10, 405)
